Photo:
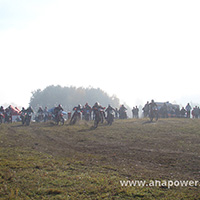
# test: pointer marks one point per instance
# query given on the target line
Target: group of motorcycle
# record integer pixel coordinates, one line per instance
(98, 115)
(58, 118)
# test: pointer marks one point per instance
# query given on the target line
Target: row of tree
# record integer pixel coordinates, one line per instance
(69, 97)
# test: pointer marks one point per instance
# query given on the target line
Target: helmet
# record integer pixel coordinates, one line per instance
(96, 104)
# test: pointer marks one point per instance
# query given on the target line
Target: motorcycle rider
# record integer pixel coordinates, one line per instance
(29, 110)
(87, 110)
(110, 116)
(77, 109)
(109, 110)
(1, 114)
(57, 110)
(8, 114)
(96, 108)
(46, 114)
(40, 113)
(152, 105)
(22, 113)
(28, 115)
(40, 110)
(2, 110)
(153, 110)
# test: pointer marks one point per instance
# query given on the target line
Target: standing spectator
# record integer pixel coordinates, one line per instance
(136, 112)
(133, 112)
(46, 114)
(122, 112)
(195, 112)
(188, 109)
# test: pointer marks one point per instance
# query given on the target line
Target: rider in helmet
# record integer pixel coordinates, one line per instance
(87, 106)
(78, 108)
(23, 111)
(87, 111)
(152, 105)
(40, 110)
(77, 112)
(1, 109)
(29, 110)
(57, 110)
(109, 109)
(98, 107)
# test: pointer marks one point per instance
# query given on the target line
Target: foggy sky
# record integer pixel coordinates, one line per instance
(137, 50)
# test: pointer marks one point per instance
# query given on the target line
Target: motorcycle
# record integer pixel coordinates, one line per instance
(39, 118)
(75, 117)
(110, 118)
(28, 118)
(102, 114)
(22, 116)
(153, 114)
(8, 118)
(87, 115)
(47, 116)
(59, 118)
(97, 118)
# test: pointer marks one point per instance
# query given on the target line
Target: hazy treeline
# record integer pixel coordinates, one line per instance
(71, 96)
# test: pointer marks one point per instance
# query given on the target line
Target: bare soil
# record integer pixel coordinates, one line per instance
(166, 149)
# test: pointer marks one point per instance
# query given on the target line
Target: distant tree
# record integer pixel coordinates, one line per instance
(70, 97)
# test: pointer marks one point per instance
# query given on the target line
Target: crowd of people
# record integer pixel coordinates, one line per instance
(88, 112)
(166, 110)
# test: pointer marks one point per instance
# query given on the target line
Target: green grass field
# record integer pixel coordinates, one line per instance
(45, 161)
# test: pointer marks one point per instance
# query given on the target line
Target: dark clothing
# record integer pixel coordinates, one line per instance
(109, 109)
(29, 110)
(40, 110)
(58, 109)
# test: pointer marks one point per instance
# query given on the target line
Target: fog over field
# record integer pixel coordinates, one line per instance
(136, 50)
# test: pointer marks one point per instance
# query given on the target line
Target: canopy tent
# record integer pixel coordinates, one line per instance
(14, 110)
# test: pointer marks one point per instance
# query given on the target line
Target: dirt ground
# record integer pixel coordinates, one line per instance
(166, 149)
